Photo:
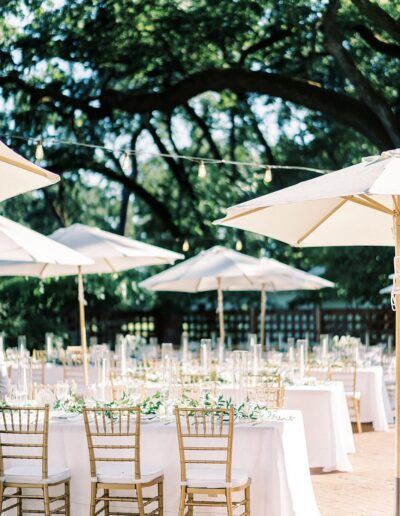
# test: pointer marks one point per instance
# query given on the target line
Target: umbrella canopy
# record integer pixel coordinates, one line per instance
(276, 276)
(19, 175)
(358, 205)
(209, 270)
(110, 252)
(24, 252)
(346, 207)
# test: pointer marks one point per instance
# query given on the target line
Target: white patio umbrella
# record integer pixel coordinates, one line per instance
(358, 205)
(109, 253)
(275, 276)
(222, 269)
(24, 252)
(19, 175)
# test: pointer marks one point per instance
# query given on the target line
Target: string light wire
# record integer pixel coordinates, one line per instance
(128, 152)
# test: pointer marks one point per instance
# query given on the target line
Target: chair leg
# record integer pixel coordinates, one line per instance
(190, 508)
(229, 502)
(67, 498)
(359, 425)
(19, 503)
(160, 489)
(139, 493)
(1, 497)
(106, 503)
(247, 500)
(182, 502)
(46, 499)
(93, 493)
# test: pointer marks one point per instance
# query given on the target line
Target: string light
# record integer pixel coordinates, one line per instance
(239, 245)
(267, 174)
(126, 162)
(185, 246)
(202, 172)
(39, 151)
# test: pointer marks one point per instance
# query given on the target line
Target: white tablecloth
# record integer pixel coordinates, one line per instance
(326, 418)
(272, 453)
(324, 408)
(327, 424)
(375, 406)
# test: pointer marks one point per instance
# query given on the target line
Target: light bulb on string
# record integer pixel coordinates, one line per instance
(185, 245)
(268, 175)
(239, 245)
(39, 151)
(202, 172)
(126, 162)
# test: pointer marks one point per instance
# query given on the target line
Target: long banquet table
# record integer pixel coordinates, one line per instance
(324, 408)
(272, 452)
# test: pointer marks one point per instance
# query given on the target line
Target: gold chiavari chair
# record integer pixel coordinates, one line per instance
(74, 373)
(323, 374)
(349, 378)
(207, 469)
(25, 430)
(120, 387)
(117, 430)
(74, 354)
(270, 393)
(38, 369)
(39, 355)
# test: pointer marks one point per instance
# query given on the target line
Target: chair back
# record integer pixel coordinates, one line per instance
(24, 435)
(113, 436)
(348, 376)
(322, 374)
(212, 430)
(39, 355)
(38, 369)
(74, 355)
(74, 373)
(270, 393)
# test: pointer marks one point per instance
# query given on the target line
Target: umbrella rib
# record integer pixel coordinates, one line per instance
(25, 166)
(321, 221)
(110, 265)
(377, 205)
(368, 203)
(242, 214)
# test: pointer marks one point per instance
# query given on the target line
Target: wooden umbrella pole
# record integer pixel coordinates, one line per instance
(82, 322)
(397, 304)
(262, 315)
(221, 311)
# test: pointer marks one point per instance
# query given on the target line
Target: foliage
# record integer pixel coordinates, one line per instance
(272, 81)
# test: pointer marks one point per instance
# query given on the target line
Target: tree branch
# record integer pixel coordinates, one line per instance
(278, 35)
(379, 17)
(333, 42)
(204, 128)
(343, 108)
(174, 165)
(158, 208)
(338, 106)
(378, 44)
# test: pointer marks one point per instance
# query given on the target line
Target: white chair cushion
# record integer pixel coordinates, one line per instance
(353, 395)
(124, 474)
(33, 475)
(214, 477)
